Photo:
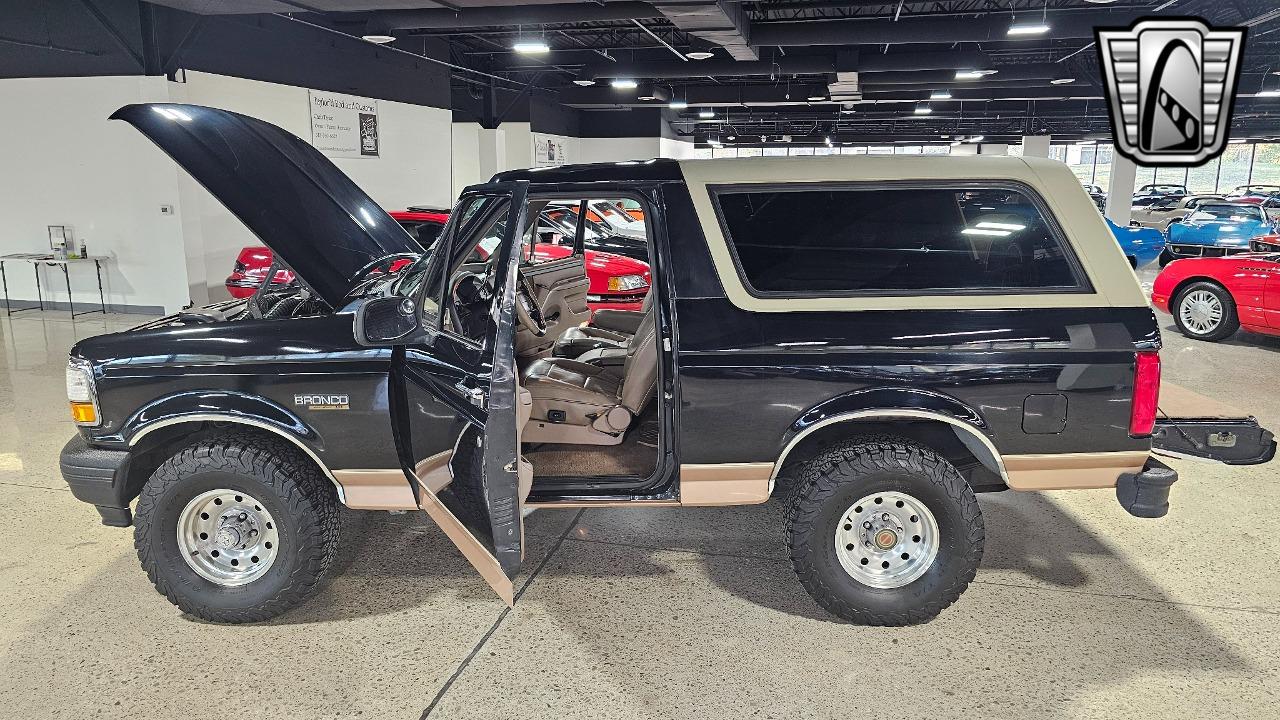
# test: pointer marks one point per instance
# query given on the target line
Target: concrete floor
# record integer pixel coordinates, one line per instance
(1079, 611)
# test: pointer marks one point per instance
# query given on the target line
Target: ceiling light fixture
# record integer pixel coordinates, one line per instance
(584, 82)
(700, 55)
(940, 95)
(624, 84)
(976, 138)
(706, 114)
(1062, 81)
(974, 74)
(923, 109)
(378, 39)
(955, 143)
(1268, 93)
(1086, 142)
(677, 104)
(817, 98)
(1030, 29)
(1235, 142)
(827, 140)
(531, 47)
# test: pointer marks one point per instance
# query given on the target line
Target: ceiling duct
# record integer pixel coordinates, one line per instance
(869, 62)
(799, 65)
(598, 97)
(499, 15)
(718, 22)
(994, 27)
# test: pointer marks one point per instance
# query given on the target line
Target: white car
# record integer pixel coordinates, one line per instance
(1162, 213)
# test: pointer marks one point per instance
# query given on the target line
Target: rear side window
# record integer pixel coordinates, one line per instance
(842, 241)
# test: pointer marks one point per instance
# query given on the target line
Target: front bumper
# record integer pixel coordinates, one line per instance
(1187, 250)
(98, 476)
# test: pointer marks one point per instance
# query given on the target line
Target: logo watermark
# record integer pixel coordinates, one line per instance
(1170, 85)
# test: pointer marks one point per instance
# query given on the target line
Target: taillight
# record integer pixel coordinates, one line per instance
(1146, 393)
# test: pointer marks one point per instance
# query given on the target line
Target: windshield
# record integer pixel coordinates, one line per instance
(464, 215)
(1236, 213)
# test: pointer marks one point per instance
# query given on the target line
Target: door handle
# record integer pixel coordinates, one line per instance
(476, 396)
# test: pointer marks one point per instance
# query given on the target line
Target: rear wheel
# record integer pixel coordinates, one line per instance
(883, 531)
(1165, 258)
(1205, 311)
(237, 528)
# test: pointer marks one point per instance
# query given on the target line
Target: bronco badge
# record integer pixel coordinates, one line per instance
(324, 402)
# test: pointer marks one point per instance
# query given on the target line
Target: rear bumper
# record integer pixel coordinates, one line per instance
(97, 477)
(1146, 494)
(1233, 441)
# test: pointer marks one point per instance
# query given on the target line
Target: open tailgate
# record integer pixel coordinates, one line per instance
(1192, 425)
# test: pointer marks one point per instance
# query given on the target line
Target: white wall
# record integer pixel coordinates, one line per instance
(411, 169)
(618, 149)
(64, 163)
(676, 149)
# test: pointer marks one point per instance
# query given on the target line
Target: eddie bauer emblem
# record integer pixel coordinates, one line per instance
(1170, 85)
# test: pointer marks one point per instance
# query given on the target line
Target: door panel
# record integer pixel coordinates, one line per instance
(456, 410)
(562, 287)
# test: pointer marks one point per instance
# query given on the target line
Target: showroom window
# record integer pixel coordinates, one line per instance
(843, 240)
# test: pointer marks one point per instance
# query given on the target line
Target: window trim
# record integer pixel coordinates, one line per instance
(1083, 286)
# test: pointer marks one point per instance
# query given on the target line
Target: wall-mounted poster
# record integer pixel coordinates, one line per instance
(344, 125)
(548, 151)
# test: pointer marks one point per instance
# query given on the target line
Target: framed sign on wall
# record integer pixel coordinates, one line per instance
(344, 125)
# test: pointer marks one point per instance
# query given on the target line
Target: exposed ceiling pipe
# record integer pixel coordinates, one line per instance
(923, 30)
(528, 14)
(716, 21)
(1005, 73)
(792, 65)
(941, 60)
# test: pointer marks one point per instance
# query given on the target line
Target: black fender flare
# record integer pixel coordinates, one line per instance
(889, 403)
(233, 407)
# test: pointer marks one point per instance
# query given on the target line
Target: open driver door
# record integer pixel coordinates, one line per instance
(454, 391)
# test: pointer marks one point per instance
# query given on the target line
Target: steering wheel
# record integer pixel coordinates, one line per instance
(528, 311)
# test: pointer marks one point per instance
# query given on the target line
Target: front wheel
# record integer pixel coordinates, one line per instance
(883, 531)
(237, 528)
(1205, 311)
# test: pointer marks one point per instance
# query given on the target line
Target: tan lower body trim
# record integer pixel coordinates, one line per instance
(472, 549)
(700, 486)
(725, 483)
(375, 489)
(1071, 471)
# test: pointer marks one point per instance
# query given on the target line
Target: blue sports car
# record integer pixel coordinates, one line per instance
(1216, 229)
(1140, 244)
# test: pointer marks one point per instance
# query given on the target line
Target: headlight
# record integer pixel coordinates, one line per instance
(627, 282)
(81, 393)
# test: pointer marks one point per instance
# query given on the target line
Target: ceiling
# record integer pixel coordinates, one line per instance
(854, 70)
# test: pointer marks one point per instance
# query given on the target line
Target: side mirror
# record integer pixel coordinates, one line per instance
(386, 321)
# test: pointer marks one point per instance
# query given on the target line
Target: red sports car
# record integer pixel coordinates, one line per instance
(616, 282)
(1211, 298)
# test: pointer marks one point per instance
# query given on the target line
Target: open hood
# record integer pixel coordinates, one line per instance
(315, 219)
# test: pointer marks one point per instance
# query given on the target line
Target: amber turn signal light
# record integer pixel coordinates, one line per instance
(84, 413)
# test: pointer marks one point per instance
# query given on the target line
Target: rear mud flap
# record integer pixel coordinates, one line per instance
(1192, 425)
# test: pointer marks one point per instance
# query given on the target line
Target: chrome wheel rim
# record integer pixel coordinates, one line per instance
(227, 537)
(887, 540)
(1200, 312)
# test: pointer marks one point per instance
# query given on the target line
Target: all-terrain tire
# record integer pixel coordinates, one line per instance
(302, 502)
(1227, 325)
(843, 473)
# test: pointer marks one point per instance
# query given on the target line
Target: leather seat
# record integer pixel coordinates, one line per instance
(608, 329)
(580, 403)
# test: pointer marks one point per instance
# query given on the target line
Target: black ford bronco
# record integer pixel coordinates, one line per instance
(879, 338)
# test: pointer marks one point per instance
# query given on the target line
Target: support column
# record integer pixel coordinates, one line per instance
(1035, 145)
(1124, 173)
